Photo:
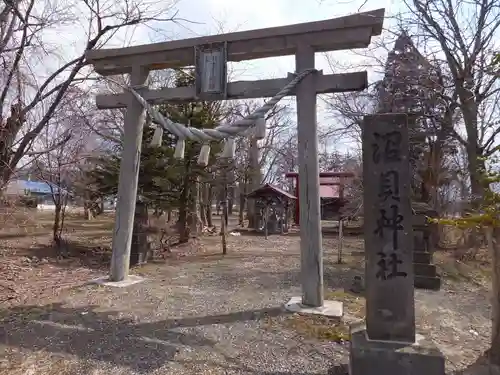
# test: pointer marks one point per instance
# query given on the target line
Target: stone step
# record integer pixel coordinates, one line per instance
(428, 283)
(422, 257)
(419, 242)
(422, 269)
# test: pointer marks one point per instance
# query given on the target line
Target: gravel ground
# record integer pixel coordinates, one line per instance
(209, 314)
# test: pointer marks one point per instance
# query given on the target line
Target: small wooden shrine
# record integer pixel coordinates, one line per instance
(272, 206)
(331, 191)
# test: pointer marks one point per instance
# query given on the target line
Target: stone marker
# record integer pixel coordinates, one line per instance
(388, 344)
(390, 306)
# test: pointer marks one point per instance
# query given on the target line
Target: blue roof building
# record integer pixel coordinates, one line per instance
(32, 187)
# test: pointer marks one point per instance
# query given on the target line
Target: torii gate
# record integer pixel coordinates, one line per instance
(301, 40)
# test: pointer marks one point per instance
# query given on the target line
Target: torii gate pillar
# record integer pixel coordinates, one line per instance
(311, 250)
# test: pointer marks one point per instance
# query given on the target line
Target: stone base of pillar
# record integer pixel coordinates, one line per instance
(332, 309)
(369, 357)
(129, 280)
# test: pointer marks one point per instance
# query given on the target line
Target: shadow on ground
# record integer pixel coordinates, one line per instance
(335, 276)
(103, 336)
(73, 254)
(327, 233)
(341, 369)
(16, 235)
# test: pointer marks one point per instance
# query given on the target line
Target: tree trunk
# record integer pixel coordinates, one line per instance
(230, 183)
(203, 204)
(210, 223)
(87, 211)
(10, 130)
(87, 207)
(57, 222)
(225, 208)
(230, 200)
(183, 215)
(223, 229)
(140, 248)
(241, 213)
(194, 219)
(476, 171)
(61, 247)
(494, 247)
(255, 180)
(475, 164)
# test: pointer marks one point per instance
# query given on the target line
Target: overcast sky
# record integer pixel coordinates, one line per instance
(238, 15)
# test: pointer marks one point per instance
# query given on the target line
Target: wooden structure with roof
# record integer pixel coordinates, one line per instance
(273, 206)
(331, 192)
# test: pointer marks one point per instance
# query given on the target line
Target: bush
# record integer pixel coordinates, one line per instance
(29, 202)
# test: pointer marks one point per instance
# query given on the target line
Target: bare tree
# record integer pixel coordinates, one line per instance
(256, 161)
(462, 35)
(108, 123)
(33, 98)
(64, 145)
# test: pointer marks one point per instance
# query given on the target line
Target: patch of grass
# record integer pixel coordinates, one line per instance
(321, 327)
(318, 327)
(354, 304)
(473, 271)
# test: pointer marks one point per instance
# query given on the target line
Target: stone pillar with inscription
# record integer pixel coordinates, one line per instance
(388, 343)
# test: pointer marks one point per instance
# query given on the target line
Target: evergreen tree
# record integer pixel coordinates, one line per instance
(414, 85)
(167, 183)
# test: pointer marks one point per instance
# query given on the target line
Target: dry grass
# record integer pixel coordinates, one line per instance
(229, 296)
(254, 273)
(322, 327)
(318, 327)
(476, 271)
(354, 304)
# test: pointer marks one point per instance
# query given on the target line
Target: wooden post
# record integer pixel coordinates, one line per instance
(297, 203)
(266, 219)
(127, 184)
(282, 217)
(223, 231)
(390, 305)
(341, 240)
(140, 246)
(255, 180)
(224, 214)
(310, 223)
(285, 224)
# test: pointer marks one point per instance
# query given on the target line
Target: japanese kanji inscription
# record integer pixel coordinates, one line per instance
(388, 228)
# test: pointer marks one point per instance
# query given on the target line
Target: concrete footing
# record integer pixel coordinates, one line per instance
(130, 280)
(369, 357)
(334, 309)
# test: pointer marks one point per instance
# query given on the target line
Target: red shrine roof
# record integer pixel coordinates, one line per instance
(269, 189)
(329, 182)
(324, 174)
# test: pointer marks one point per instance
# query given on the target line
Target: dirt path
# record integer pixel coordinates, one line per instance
(208, 314)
